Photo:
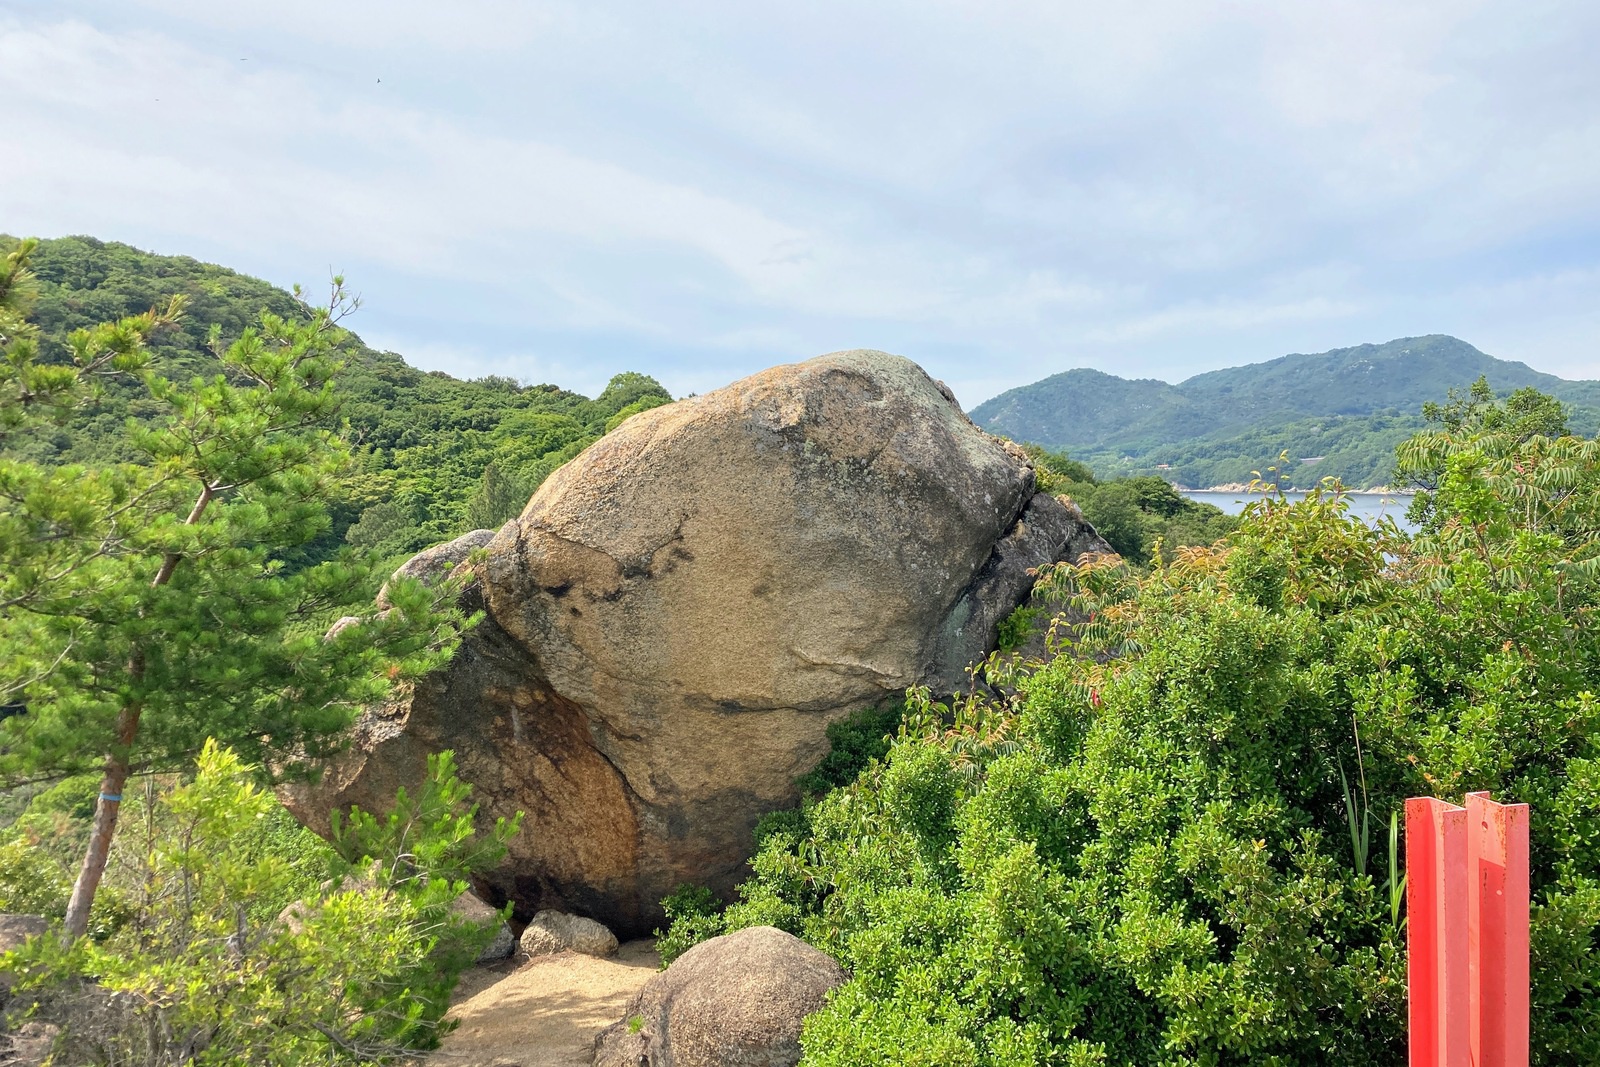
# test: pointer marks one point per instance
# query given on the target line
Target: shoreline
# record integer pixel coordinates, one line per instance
(1241, 487)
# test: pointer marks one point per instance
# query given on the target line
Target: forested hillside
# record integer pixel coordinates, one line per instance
(436, 455)
(1339, 413)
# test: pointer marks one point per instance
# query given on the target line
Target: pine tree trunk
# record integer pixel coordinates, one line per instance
(105, 826)
(118, 763)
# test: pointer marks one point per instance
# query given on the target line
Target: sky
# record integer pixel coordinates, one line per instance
(697, 190)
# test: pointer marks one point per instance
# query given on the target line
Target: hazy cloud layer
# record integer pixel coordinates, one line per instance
(564, 191)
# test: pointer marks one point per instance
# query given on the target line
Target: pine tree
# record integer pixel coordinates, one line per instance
(146, 607)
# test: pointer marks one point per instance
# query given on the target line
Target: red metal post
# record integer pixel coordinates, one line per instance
(1438, 975)
(1497, 908)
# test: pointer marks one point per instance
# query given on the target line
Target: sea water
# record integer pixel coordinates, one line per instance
(1368, 507)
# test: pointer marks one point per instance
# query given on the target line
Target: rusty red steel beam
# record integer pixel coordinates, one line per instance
(1467, 923)
(1497, 908)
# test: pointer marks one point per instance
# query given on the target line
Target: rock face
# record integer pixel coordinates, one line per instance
(555, 931)
(467, 906)
(735, 1001)
(679, 613)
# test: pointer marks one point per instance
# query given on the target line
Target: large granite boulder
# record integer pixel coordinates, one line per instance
(734, 1001)
(679, 613)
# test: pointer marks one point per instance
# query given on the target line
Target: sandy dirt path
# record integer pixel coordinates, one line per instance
(544, 1013)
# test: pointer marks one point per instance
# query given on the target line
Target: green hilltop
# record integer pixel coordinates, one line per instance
(435, 455)
(1337, 413)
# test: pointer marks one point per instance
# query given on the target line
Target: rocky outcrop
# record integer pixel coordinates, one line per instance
(734, 1001)
(679, 613)
(555, 931)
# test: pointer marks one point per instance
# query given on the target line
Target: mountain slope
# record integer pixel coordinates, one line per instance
(1084, 407)
(1402, 374)
(435, 455)
(1340, 411)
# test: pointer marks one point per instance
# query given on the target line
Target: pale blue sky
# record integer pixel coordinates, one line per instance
(697, 190)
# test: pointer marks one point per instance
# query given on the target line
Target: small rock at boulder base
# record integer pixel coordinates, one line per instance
(470, 907)
(678, 615)
(555, 931)
(738, 1000)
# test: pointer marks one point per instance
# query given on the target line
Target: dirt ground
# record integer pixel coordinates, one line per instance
(543, 1013)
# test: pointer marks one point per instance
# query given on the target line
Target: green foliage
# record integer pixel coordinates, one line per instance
(151, 602)
(152, 595)
(693, 915)
(645, 403)
(1132, 514)
(1525, 413)
(631, 389)
(361, 971)
(853, 743)
(1338, 414)
(32, 882)
(1157, 848)
(424, 838)
(421, 441)
(1521, 443)
(1018, 627)
(500, 497)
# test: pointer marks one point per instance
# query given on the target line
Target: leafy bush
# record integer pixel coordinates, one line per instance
(1157, 851)
(693, 915)
(853, 743)
(1132, 514)
(358, 969)
(1016, 628)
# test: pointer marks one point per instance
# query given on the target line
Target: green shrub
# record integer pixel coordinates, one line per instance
(362, 973)
(693, 915)
(1018, 627)
(853, 743)
(1158, 851)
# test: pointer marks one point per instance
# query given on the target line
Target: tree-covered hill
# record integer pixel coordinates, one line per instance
(1337, 413)
(1082, 408)
(436, 455)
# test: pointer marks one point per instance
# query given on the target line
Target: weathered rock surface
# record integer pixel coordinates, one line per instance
(469, 907)
(556, 931)
(734, 1001)
(434, 565)
(680, 612)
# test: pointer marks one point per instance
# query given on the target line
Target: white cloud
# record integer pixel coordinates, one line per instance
(699, 189)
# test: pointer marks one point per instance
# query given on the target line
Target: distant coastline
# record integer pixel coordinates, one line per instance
(1371, 506)
(1242, 487)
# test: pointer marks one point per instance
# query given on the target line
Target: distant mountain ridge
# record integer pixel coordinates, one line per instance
(1338, 412)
